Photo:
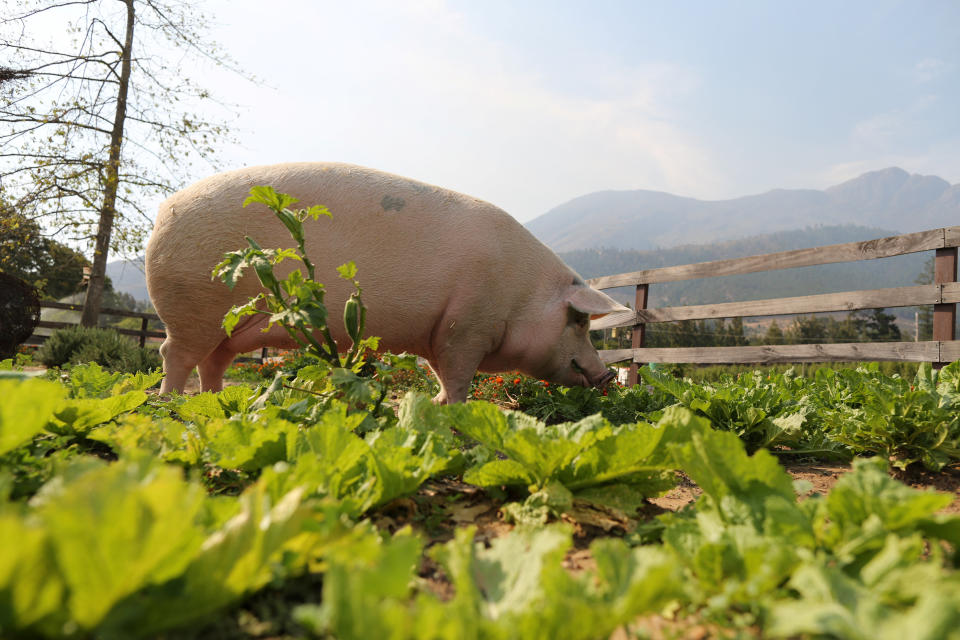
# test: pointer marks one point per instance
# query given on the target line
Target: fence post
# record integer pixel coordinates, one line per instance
(143, 331)
(639, 332)
(944, 315)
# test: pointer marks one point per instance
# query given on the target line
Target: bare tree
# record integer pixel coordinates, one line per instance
(98, 122)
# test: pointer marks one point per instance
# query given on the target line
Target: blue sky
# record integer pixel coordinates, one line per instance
(528, 104)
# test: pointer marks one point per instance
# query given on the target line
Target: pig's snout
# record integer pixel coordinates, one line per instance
(604, 379)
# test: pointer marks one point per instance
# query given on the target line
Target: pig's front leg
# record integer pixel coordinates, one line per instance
(455, 372)
(458, 349)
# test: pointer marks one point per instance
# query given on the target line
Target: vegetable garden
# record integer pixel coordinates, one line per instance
(310, 509)
(335, 500)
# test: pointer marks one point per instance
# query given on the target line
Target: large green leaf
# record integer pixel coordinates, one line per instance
(231, 401)
(737, 485)
(401, 466)
(239, 557)
(866, 505)
(498, 473)
(118, 528)
(832, 604)
(26, 408)
(77, 416)
(31, 590)
(160, 436)
(92, 381)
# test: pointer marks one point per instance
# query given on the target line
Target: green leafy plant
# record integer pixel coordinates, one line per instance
(295, 303)
(516, 588)
(77, 345)
(903, 422)
(590, 460)
(554, 404)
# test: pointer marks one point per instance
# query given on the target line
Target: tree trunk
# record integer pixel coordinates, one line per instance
(108, 210)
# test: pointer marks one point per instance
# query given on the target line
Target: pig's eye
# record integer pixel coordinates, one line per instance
(579, 319)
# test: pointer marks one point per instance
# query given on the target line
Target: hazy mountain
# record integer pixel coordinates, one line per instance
(888, 199)
(127, 277)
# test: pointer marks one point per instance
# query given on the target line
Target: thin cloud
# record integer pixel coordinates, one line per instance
(415, 90)
(929, 69)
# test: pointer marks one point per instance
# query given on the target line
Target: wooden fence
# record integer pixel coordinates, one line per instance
(142, 333)
(943, 294)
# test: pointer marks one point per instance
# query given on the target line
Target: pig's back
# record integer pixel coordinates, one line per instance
(415, 245)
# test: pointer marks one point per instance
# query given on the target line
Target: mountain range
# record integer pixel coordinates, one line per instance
(887, 199)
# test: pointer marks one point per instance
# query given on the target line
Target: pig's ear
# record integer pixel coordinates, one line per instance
(592, 302)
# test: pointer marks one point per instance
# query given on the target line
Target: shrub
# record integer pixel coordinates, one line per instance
(106, 347)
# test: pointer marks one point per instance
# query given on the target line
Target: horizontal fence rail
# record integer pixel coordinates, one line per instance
(830, 254)
(943, 294)
(845, 301)
(928, 351)
(143, 333)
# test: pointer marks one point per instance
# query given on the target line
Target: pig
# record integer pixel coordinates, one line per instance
(446, 276)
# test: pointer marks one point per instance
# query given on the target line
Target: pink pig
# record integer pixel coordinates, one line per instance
(446, 276)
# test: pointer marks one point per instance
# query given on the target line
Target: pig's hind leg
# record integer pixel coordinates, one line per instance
(179, 359)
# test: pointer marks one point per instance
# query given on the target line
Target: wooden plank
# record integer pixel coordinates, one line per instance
(847, 252)
(136, 332)
(638, 338)
(50, 304)
(945, 315)
(951, 292)
(47, 324)
(609, 356)
(771, 354)
(951, 237)
(950, 351)
(846, 301)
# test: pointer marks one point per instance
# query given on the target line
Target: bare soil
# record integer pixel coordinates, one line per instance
(823, 475)
(192, 385)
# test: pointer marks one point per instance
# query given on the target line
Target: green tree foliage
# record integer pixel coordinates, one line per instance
(697, 333)
(53, 268)
(99, 121)
(774, 334)
(881, 327)
(859, 326)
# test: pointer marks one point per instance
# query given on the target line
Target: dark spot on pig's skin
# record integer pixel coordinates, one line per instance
(418, 187)
(391, 202)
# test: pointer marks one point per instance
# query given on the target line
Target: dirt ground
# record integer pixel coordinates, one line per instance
(823, 475)
(192, 384)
